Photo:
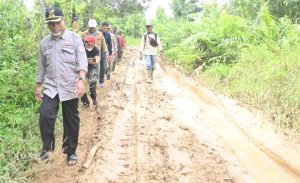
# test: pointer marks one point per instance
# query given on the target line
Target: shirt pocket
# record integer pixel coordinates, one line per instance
(48, 56)
(69, 54)
(49, 53)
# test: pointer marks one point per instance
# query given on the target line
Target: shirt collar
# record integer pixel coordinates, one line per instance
(64, 35)
(93, 33)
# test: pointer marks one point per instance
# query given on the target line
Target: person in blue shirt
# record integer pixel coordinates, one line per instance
(105, 57)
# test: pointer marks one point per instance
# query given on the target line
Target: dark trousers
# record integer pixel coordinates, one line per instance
(93, 92)
(102, 67)
(114, 62)
(48, 114)
(120, 53)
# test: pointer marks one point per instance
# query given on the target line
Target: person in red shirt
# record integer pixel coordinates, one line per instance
(122, 46)
(122, 40)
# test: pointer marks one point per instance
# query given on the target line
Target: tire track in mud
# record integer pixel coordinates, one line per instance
(116, 159)
(264, 164)
(143, 137)
(145, 143)
(168, 151)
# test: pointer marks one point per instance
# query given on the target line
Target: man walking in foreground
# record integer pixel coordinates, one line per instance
(150, 45)
(61, 70)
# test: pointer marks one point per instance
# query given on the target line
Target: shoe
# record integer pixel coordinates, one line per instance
(101, 85)
(95, 103)
(43, 156)
(86, 105)
(72, 159)
(95, 77)
(108, 77)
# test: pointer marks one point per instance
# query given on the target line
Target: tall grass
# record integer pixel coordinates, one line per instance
(271, 81)
(19, 136)
(130, 41)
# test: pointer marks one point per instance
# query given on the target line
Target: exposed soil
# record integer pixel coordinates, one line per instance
(172, 130)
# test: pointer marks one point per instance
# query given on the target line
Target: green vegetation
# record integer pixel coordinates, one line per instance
(251, 55)
(18, 111)
(130, 41)
(20, 34)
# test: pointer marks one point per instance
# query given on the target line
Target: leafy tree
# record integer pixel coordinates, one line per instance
(112, 8)
(289, 8)
(245, 8)
(124, 7)
(182, 8)
(132, 25)
(278, 8)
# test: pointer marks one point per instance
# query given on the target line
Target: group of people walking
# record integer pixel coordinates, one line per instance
(66, 60)
(104, 49)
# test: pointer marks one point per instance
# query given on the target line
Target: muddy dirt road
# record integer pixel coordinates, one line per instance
(172, 130)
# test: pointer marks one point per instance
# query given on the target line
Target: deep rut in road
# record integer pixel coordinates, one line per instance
(158, 132)
(147, 144)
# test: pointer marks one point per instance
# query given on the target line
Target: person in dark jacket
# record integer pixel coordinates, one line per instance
(105, 57)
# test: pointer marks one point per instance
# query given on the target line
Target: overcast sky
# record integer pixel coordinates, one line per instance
(29, 4)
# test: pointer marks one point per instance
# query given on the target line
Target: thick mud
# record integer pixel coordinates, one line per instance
(170, 130)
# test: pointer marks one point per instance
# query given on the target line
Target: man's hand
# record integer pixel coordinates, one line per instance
(91, 61)
(80, 90)
(38, 92)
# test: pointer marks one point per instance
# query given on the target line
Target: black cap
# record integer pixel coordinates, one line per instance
(105, 24)
(54, 14)
(149, 25)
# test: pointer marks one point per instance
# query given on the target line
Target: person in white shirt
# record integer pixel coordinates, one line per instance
(150, 46)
